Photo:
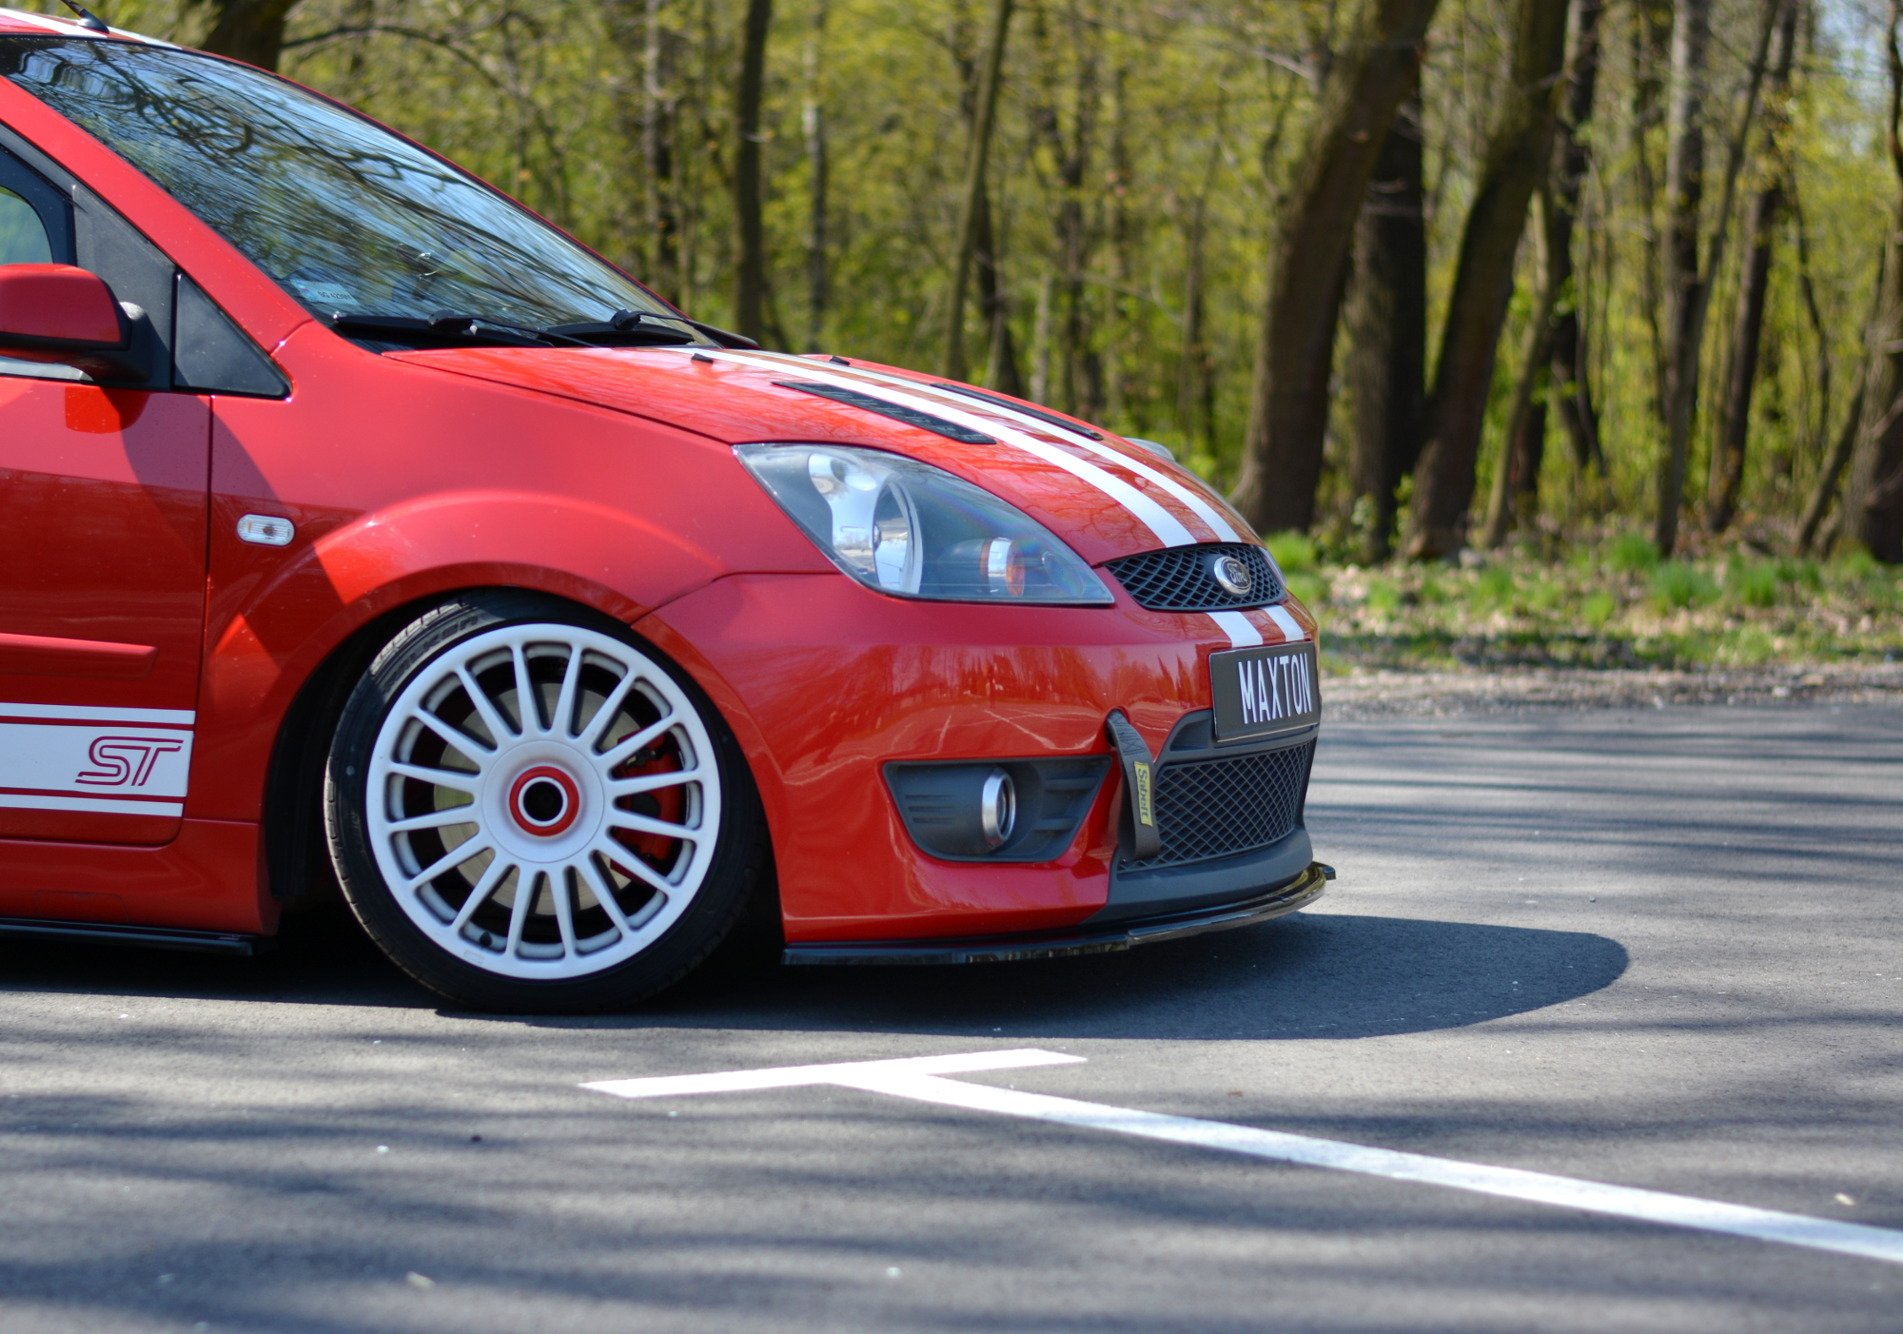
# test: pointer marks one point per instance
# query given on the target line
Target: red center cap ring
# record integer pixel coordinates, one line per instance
(544, 801)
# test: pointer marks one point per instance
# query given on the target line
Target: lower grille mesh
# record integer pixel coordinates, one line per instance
(1219, 807)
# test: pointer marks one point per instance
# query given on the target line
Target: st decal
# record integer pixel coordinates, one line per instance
(125, 761)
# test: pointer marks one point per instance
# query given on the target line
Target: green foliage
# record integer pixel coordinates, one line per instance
(1296, 553)
(1629, 553)
(1678, 584)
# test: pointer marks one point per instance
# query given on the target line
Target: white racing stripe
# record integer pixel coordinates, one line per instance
(80, 713)
(1240, 629)
(93, 760)
(1169, 530)
(1197, 505)
(35, 801)
(1290, 627)
(922, 1079)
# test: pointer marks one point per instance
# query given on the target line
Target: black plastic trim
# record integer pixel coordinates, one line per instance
(898, 412)
(1295, 894)
(147, 937)
(1023, 409)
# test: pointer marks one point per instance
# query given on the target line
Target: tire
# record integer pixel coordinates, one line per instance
(577, 855)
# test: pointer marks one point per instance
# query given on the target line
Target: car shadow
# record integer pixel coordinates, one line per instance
(1314, 975)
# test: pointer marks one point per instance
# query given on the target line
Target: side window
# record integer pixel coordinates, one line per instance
(23, 238)
(36, 227)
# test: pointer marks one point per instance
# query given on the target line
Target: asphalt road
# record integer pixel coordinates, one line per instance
(1658, 949)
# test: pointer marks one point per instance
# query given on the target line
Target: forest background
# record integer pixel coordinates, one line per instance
(1610, 289)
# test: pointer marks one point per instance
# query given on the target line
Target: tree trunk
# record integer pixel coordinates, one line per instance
(1516, 159)
(1651, 44)
(249, 30)
(1523, 446)
(818, 162)
(749, 303)
(976, 157)
(1288, 410)
(1689, 287)
(1572, 160)
(1554, 351)
(1387, 329)
(1874, 510)
(1767, 205)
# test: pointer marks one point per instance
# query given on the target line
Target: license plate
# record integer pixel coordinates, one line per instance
(1261, 692)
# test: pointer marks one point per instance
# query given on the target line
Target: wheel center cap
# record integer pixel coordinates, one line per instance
(544, 801)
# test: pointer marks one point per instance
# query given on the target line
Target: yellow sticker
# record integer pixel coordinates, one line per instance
(1146, 814)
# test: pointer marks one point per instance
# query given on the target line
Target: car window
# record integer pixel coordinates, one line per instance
(23, 238)
(342, 213)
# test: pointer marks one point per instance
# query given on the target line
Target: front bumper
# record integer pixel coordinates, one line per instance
(1094, 937)
(826, 683)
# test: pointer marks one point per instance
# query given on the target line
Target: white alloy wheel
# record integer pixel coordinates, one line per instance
(542, 801)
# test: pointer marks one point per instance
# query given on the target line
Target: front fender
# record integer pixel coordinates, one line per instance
(271, 636)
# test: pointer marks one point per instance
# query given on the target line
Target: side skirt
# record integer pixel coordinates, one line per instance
(146, 937)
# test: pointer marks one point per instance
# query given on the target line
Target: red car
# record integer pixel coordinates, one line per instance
(359, 527)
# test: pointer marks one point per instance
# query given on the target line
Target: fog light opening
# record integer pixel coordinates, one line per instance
(998, 809)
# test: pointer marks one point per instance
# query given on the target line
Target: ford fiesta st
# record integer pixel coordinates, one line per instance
(362, 529)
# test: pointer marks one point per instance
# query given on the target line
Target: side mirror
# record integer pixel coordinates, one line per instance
(57, 313)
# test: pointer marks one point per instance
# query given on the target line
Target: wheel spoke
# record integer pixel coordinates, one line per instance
(623, 860)
(526, 887)
(625, 787)
(450, 778)
(604, 894)
(633, 744)
(562, 722)
(526, 707)
(443, 819)
(558, 888)
(491, 716)
(450, 860)
(456, 737)
(645, 824)
(484, 887)
(605, 712)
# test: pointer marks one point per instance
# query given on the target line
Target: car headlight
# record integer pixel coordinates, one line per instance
(906, 528)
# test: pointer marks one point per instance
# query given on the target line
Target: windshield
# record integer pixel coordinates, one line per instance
(347, 217)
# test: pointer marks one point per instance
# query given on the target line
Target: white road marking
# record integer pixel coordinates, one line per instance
(922, 1079)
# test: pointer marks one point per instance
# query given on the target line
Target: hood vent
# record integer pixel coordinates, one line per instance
(1048, 418)
(925, 421)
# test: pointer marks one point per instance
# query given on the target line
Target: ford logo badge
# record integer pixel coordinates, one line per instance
(1233, 575)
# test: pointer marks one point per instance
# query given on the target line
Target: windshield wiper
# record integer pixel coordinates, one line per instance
(479, 330)
(630, 321)
(631, 328)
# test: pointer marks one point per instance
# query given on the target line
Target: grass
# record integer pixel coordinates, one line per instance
(1612, 604)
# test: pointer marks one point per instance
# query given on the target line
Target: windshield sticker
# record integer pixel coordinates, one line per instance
(327, 294)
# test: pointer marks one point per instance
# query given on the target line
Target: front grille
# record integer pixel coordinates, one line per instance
(1183, 578)
(1219, 807)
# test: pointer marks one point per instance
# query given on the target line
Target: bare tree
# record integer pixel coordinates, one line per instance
(1689, 284)
(1288, 412)
(971, 210)
(1387, 329)
(749, 225)
(1875, 505)
(248, 30)
(1761, 220)
(1513, 164)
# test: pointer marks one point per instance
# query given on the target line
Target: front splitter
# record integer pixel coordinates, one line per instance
(1296, 894)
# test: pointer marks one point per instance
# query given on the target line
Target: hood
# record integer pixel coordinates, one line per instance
(1102, 495)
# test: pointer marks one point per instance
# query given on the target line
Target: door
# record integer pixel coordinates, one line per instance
(103, 513)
